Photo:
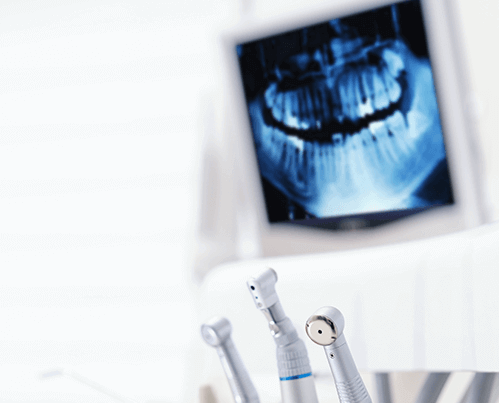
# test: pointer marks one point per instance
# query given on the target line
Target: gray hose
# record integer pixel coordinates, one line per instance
(480, 389)
(432, 387)
(383, 387)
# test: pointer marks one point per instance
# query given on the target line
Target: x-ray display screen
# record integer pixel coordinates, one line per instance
(345, 118)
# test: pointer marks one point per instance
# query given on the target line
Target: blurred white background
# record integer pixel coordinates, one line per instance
(100, 153)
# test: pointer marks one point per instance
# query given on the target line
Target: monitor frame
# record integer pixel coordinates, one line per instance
(470, 205)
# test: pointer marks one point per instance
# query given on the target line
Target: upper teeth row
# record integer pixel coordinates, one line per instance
(354, 93)
(394, 126)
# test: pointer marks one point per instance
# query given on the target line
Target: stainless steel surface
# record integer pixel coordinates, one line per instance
(325, 327)
(295, 374)
(299, 391)
(216, 332)
(321, 330)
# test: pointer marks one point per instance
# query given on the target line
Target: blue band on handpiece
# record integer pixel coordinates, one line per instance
(290, 378)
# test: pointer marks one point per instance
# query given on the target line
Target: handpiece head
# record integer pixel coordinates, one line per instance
(325, 326)
(262, 287)
(216, 331)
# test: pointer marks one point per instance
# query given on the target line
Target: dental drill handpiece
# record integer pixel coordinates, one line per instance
(295, 374)
(216, 332)
(325, 327)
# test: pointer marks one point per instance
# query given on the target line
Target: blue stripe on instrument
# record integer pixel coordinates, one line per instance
(290, 378)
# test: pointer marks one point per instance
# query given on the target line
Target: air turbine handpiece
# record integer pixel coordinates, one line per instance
(325, 327)
(295, 373)
(216, 332)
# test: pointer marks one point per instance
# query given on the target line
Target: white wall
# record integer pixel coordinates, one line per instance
(99, 150)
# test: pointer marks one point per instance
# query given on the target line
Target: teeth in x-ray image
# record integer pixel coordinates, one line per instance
(357, 134)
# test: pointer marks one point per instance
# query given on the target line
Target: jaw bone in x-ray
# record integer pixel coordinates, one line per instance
(345, 116)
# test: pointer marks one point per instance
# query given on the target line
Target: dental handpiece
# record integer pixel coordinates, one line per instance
(325, 327)
(216, 332)
(295, 374)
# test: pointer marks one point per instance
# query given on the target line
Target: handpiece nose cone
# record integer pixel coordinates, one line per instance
(262, 287)
(320, 331)
(325, 325)
(216, 331)
(265, 277)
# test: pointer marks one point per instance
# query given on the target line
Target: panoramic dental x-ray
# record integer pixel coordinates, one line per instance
(345, 117)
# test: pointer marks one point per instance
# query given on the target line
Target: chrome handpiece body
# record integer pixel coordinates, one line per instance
(325, 327)
(216, 332)
(295, 374)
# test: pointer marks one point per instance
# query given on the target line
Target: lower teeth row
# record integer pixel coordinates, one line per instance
(379, 147)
